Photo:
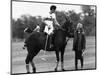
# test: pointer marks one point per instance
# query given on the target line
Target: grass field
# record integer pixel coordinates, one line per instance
(19, 55)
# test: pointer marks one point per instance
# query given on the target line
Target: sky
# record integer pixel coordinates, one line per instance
(36, 9)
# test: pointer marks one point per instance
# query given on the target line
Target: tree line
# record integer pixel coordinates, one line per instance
(88, 15)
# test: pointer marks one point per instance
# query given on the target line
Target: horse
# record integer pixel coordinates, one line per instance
(36, 41)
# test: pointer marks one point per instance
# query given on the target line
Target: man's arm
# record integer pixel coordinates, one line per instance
(55, 20)
(84, 41)
(47, 19)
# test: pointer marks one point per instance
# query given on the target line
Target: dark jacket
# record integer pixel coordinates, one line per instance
(79, 41)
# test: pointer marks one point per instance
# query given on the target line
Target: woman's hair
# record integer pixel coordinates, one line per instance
(79, 25)
(53, 7)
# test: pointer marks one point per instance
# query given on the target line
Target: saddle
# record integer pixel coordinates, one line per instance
(51, 37)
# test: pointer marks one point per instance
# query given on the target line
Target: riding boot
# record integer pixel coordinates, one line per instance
(27, 68)
(51, 41)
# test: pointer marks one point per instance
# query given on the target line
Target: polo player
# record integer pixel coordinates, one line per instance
(51, 22)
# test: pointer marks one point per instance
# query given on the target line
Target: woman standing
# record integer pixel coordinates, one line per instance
(79, 44)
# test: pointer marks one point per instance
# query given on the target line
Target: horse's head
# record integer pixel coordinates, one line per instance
(69, 29)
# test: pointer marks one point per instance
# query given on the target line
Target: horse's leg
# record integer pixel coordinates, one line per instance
(62, 59)
(33, 66)
(29, 60)
(57, 58)
(27, 63)
(27, 68)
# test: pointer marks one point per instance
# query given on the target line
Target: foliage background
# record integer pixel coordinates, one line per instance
(89, 21)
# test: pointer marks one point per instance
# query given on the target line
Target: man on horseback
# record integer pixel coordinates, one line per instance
(51, 24)
(79, 43)
(36, 41)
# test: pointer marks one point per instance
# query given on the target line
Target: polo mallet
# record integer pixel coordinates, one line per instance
(43, 58)
(46, 46)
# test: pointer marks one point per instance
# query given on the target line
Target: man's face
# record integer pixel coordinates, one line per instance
(52, 11)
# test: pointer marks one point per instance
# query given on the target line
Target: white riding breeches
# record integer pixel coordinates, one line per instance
(49, 29)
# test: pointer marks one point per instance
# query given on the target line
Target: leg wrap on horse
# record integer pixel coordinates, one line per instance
(33, 66)
(27, 68)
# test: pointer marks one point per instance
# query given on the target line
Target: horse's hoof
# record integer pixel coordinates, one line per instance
(63, 69)
(76, 68)
(81, 67)
(28, 72)
(34, 70)
(55, 70)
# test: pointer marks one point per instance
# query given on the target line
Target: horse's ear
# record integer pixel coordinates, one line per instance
(28, 30)
(25, 29)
